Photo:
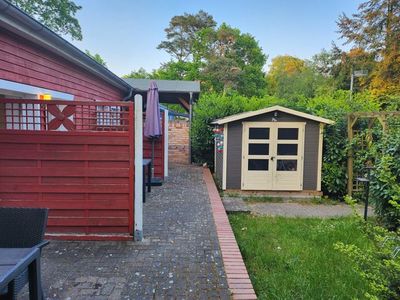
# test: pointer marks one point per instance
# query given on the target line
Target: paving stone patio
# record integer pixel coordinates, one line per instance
(179, 259)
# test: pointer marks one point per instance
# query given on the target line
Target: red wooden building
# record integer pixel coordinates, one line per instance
(74, 154)
(70, 136)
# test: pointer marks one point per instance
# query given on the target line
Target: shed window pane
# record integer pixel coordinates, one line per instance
(258, 165)
(287, 149)
(288, 133)
(258, 149)
(258, 133)
(286, 165)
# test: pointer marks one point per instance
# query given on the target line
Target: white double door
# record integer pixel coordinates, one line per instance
(272, 156)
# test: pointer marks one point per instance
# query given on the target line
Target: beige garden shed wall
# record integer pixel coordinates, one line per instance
(234, 150)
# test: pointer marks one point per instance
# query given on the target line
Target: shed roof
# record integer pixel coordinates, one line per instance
(18, 22)
(170, 90)
(271, 109)
(165, 85)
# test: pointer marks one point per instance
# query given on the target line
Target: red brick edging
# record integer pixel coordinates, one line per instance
(238, 279)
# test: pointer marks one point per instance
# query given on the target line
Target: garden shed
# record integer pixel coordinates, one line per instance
(271, 149)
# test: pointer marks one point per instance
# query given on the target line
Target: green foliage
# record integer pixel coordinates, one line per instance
(141, 73)
(213, 106)
(97, 58)
(181, 34)
(58, 15)
(294, 258)
(230, 61)
(376, 28)
(385, 182)
(378, 265)
(178, 70)
(333, 105)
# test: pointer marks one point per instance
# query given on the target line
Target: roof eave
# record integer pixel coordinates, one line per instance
(20, 23)
(270, 109)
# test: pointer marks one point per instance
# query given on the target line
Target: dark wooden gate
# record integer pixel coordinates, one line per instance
(75, 158)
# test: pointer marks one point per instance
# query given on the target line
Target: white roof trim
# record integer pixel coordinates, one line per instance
(26, 91)
(270, 109)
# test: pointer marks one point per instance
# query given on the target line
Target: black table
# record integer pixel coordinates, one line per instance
(146, 162)
(13, 262)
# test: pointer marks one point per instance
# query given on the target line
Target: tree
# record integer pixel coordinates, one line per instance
(375, 28)
(141, 73)
(58, 15)
(230, 60)
(178, 70)
(223, 58)
(337, 65)
(97, 58)
(181, 34)
(282, 67)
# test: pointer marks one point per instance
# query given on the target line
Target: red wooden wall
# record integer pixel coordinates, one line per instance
(23, 62)
(85, 178)
(158, 150)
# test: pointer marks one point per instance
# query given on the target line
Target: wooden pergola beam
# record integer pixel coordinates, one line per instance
(352, 118)
(185, 104)
(376, 114)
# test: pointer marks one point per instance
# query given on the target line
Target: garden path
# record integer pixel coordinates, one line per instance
(180, 257)
(291, 209)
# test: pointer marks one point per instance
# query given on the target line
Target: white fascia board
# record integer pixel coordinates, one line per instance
(14, 88)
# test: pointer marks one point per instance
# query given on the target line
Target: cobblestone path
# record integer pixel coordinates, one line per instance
(179, 259)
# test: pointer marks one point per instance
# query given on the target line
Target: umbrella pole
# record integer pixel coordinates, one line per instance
(152, 158)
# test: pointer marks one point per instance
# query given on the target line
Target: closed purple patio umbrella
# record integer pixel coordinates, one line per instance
(152, 123)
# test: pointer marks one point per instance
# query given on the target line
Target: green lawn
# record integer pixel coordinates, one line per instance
(290, 258)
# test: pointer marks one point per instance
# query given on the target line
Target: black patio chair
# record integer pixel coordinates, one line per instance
(22, 228)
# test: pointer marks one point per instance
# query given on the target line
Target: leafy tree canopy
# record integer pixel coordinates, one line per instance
(376, 29)
(58, 15)
(230, 60)
(181, 34)
(97, 58)
(140, 73)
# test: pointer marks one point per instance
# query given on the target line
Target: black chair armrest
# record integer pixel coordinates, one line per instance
(42, 244)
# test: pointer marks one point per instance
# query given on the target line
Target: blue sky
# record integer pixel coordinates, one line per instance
(126, 32)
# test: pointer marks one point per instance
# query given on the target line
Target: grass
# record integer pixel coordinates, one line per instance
(291, 258)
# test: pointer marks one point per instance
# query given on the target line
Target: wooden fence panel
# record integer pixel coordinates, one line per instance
(85, 178)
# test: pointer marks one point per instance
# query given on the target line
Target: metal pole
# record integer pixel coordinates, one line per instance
(190, 126)
(351, 84)
(367, 192)
(152, 157)
(366, 200)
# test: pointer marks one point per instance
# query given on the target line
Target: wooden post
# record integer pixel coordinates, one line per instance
(138, 168)
(383, 121)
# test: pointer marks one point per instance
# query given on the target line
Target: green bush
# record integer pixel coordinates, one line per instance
(379, 266)
(385, 181)
(214, 106)
(335, 106)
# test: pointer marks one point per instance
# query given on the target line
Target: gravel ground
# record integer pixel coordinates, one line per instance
(291, 209)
